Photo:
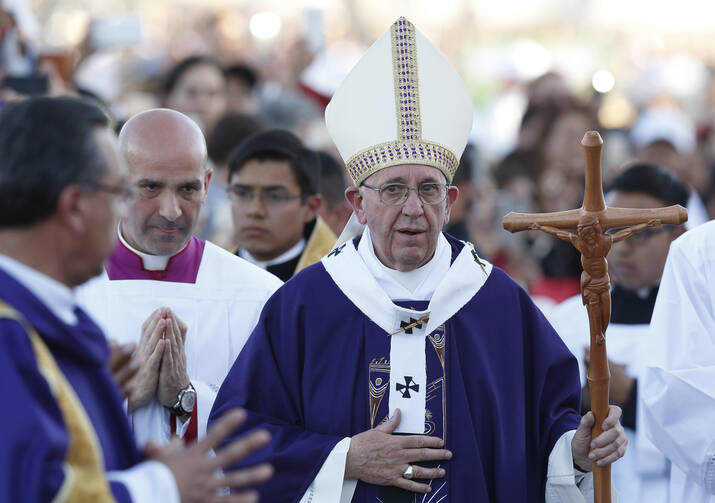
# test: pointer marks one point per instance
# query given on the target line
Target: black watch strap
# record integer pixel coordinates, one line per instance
(178, 408)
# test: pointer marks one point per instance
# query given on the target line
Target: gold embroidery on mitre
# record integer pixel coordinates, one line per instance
(384, 155)
(410, 147)
(404, 73)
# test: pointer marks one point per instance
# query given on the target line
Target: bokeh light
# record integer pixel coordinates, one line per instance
(603, 81)
(265, 25)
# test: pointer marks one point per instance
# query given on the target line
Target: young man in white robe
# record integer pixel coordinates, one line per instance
(636, 265)
(678, 391)
(187, 304)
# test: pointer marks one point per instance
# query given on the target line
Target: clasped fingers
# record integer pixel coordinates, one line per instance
(178, 325)
(150, 337)
(152, 319)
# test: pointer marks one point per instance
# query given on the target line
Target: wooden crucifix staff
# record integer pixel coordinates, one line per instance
(591, 222)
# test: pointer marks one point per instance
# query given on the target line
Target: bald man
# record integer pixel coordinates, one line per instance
(187, 304)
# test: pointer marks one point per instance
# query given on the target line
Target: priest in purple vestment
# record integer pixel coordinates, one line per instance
(403, 367)
(64, 434)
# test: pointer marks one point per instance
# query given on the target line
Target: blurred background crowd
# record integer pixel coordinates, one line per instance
(540, 74)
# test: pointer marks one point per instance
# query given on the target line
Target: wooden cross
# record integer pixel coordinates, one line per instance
(591, 222)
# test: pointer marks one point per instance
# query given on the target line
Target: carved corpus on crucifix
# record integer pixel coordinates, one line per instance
(591, 223)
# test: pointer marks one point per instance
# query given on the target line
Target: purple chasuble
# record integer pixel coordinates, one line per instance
(181, 268)
(32, 432)
(502, 389)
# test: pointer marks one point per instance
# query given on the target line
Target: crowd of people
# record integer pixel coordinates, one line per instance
(221, 272)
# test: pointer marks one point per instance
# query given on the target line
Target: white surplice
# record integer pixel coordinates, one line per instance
(678, 392)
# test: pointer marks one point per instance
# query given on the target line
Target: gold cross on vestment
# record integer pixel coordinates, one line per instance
(414, 324)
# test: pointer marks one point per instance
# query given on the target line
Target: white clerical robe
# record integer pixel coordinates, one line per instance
(679, 387)
(565, 484)
(642, 474)
(220, 310)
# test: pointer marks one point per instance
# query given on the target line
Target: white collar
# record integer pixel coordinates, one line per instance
(292, 253)
(150, 262)
(418, 284)
(463, 280)
(58, 298)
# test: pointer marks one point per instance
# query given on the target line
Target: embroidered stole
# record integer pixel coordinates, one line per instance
(408, 329)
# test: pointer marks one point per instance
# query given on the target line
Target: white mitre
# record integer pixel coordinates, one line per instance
(402, 103)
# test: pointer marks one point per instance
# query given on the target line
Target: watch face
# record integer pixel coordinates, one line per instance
(188, 400)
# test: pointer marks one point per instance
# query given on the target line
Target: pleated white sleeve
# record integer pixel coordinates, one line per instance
(329, 485)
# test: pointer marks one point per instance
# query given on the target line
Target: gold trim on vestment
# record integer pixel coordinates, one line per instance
(85, 480)
(422, 320)
(438, 339)
(377, 388)
(476, 257)
(319, 243)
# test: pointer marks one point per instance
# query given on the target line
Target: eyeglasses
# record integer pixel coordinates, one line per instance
(395, 194)
(243, 195)
(641, 237)
(123, 194)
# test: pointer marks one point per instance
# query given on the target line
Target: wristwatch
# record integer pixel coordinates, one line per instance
(185, 402)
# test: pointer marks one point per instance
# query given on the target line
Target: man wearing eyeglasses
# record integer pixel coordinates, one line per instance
(402, 363)
(636, 265)
(273, 186)
(64, 435)
(187, 304)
